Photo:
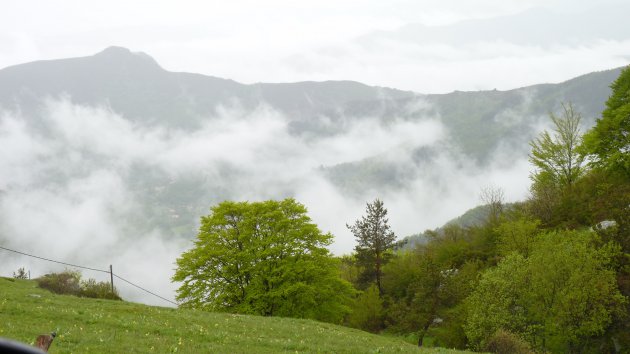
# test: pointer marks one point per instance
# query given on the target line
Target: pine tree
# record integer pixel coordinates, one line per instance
(374, 241)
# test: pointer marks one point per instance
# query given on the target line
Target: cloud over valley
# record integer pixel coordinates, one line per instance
(85, 185)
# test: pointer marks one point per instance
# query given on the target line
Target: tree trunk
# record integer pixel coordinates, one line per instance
(378, 274)
(424, 331)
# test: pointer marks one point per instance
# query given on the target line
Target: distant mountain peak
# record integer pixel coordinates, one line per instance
(122, 54)
(115, 50)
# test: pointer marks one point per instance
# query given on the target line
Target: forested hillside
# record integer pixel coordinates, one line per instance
(547, 274)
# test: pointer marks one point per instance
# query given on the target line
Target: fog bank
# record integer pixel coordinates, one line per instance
(84, 185)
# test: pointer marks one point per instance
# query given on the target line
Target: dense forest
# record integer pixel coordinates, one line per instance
(548, 274)
(551, 273)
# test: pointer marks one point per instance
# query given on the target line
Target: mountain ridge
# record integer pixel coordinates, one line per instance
(476, 126)
(148, 94)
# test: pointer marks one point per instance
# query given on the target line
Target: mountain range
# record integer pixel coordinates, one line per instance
(135, 86)
(159, 104)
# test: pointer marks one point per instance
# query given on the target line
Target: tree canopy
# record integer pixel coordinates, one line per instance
(557, 157)
(265, 258)
(563, 292)
(608, 142)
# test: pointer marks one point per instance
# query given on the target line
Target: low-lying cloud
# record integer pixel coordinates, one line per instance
(85, 185)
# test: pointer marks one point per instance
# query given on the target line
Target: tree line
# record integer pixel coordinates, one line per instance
(548, 274)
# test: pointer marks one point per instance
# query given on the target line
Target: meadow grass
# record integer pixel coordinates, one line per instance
(108, 326)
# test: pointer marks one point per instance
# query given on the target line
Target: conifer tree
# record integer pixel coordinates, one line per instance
(374, 241)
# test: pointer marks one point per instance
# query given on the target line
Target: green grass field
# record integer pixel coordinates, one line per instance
(106, 326)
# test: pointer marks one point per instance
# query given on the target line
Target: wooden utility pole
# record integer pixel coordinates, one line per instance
(111, 275)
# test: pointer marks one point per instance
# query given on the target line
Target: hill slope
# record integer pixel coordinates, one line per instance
(105, 326)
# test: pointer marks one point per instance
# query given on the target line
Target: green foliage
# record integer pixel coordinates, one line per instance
(559, 166)
(375, 241)
(493, 306)
(414, 285)
(424, 295)
(564, 292)
(349, 269)
(545, 198)
(69, 283)
(98, 290)
(452, 245)
(367, 311)
(504, 342)
(556, 157)
(608, 142)
(98, 326)
(265, 258)
(517, 236)
(499, 276)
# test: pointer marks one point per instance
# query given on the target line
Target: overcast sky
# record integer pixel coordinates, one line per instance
(375, 42)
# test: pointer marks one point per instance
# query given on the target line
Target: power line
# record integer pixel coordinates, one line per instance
(141, 288)
(50, 260)
(94, 269)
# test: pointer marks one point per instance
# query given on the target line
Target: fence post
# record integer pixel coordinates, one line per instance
(111, 275)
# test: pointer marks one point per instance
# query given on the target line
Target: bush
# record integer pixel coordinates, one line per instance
(20, 274)
(100, 290)
(367, 312)
(69, 283)
(505, 342)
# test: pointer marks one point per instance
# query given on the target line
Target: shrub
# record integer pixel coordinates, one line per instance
(98, 290)
(20, 274)
(505, 342)
(367, 312)
(69, 283)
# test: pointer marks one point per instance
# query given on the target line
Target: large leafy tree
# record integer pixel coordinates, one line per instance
(608, 142)
(265, 258)
(375, 240)
(556, 155)
(558, 162)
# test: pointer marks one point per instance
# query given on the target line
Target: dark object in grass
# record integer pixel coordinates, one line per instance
(44, 341)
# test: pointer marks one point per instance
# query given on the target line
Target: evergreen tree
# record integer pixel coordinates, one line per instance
(375, 241)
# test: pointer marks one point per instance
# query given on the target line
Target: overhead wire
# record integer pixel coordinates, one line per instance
(52, 260)
(90, 268)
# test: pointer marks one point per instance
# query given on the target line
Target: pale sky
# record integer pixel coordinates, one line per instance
(366, 41)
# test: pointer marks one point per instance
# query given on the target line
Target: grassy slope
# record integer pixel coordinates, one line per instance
(105, 326)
